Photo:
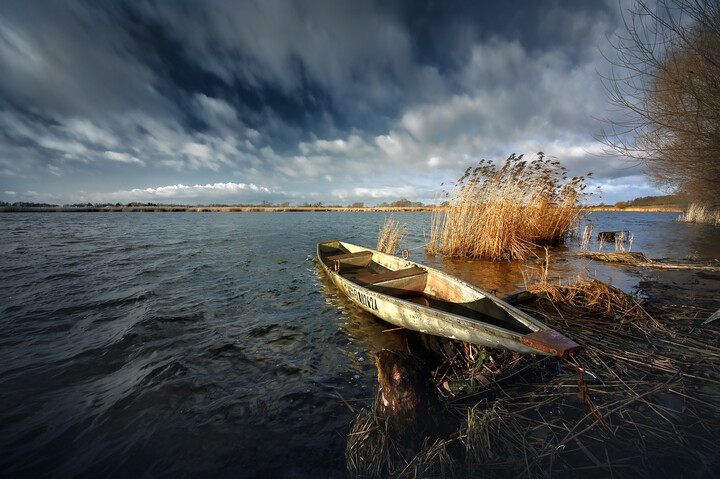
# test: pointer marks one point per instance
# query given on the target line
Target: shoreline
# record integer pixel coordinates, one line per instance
(197, 209)
(279, 209)
(642, 209)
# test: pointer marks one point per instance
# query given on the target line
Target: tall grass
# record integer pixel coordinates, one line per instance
(503, 213)
(586, 237)
(697, 213)
(391, 236)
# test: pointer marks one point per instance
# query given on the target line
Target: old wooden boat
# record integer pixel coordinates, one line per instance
(424, 299)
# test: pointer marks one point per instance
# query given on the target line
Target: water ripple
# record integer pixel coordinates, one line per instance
(184, 344)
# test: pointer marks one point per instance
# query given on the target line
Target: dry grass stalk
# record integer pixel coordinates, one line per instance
(620, 242)
(539, 274)
(652, 381)
(502, 213)
(697, 213)
(593, 297)
(636, 258)
(586, 237)
(391, 236)
(372, 453)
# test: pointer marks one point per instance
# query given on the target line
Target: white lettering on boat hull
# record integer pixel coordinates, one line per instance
(363, 299)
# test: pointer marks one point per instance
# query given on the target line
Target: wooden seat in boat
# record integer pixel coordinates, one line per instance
(403, 282)
(391, 275)
(349, 260)
(359, 254)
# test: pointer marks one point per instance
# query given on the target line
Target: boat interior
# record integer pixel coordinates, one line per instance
(388, 275)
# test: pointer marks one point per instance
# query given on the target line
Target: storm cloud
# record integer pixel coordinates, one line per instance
(332, 101)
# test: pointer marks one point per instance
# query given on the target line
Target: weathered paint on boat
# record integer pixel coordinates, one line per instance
(407, 294)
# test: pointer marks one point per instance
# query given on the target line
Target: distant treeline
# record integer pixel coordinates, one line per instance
(676, 201)
(24, 204)
(652, 201)
(404, 203)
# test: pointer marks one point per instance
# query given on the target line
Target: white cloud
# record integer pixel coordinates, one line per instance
(386, 192)
(122, 157)
(67, 148)
(215, 111)
(196, 150)
(84, 130)
(180, 191)
(303, 167)
(434, 161)
(354, 146)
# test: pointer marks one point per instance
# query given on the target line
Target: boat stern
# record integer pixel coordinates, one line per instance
(551, 342)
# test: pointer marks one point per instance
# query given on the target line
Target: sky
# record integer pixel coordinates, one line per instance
(305, 101)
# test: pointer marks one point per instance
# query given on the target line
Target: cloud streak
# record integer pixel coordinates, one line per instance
(325, 99)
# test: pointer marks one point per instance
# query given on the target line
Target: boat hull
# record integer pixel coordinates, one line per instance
(417, 317)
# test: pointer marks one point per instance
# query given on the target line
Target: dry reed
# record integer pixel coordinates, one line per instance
(628, 257)
(586, 237)
(391, 236)
(503, 213)
(640, 400)
(697, 213)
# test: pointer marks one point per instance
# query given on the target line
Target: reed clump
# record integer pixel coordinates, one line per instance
(640, 399)
(371, 452)
(593, 297)
(391, 236)
(634, 258)
(502, 213)
(697, 213)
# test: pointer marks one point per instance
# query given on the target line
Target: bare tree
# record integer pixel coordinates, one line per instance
(666, 81)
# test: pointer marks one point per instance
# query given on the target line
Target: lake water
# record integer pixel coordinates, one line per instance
(207, 344)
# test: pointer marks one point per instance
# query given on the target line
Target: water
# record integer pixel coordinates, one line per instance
(657, 235)
(207, 344)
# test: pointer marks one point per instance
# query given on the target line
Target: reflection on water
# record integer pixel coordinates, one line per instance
(499, 278)
(360, 325)
(657, 235)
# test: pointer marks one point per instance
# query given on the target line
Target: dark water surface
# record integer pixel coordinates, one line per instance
(206, 344)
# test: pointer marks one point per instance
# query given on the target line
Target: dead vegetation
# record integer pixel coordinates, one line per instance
(502, 213)
(640, 400)
(391, 236)
(640, 260)
(625, 258)
(697, 213)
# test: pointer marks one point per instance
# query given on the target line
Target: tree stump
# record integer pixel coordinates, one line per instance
(408, 401)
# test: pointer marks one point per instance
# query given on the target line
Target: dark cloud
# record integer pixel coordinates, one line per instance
(295, 98)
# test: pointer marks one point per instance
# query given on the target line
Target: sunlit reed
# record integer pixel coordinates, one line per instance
(586, 237)
(503, 213)
(391, 236)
